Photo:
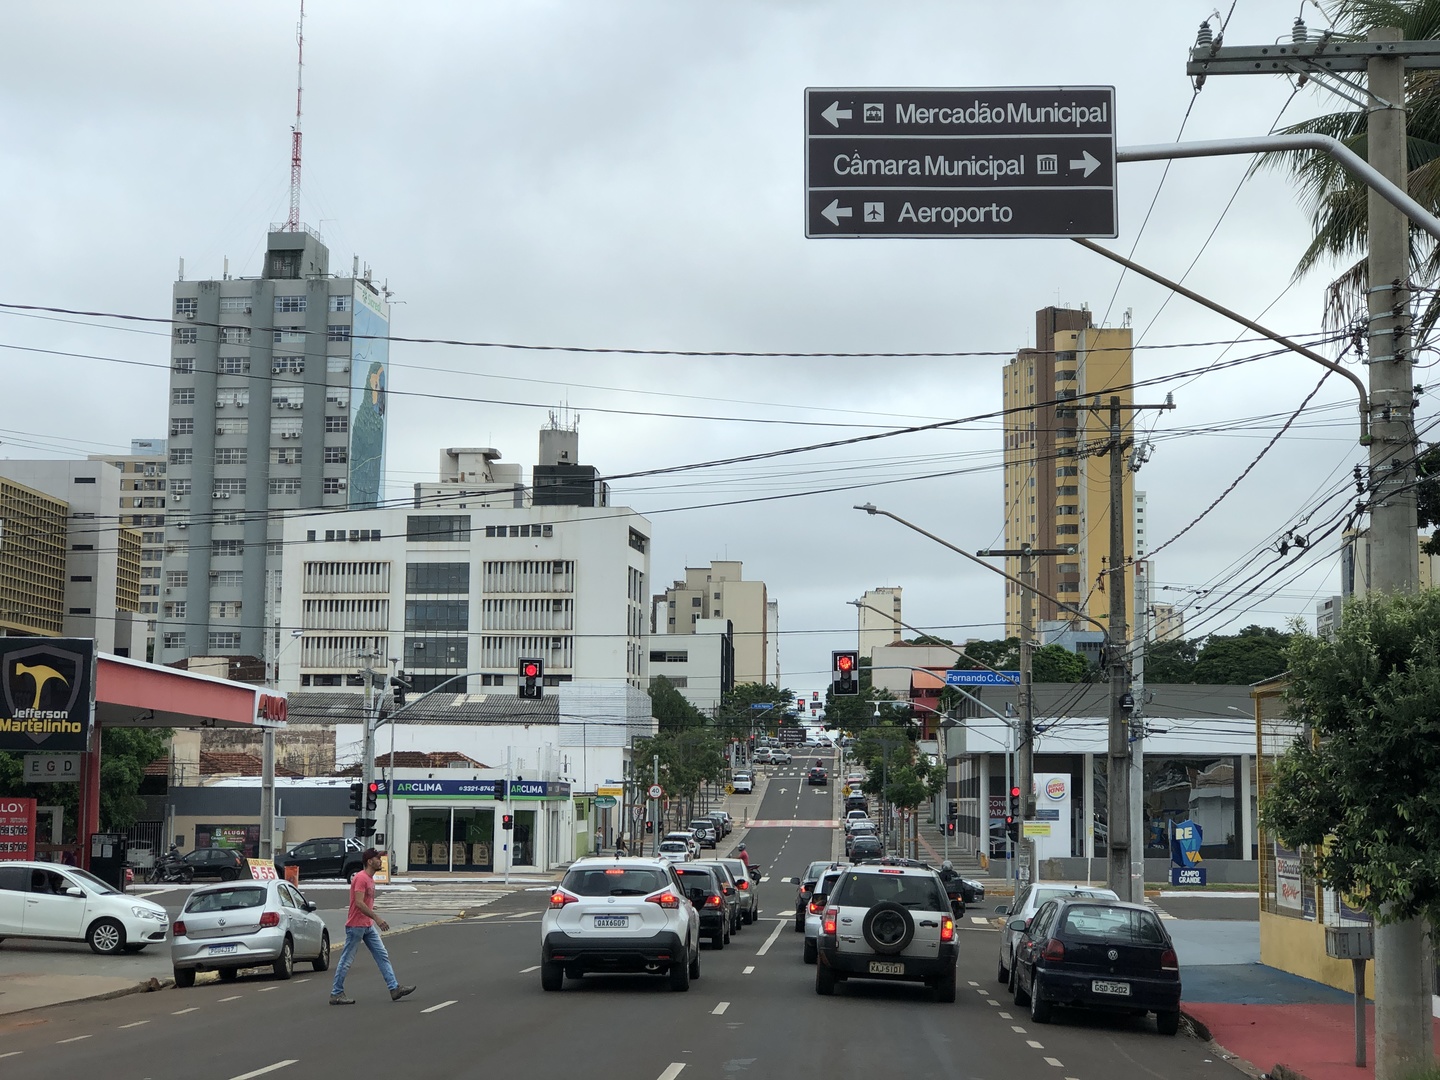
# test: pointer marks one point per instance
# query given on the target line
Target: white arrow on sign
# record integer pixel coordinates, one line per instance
(835, 114)
(1088, 162)
(834, 212)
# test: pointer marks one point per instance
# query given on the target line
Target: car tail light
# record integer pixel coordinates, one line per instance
(816, 906)
(829, 920)
(667, 900)
(270, 918)
(743, 884)
(713, 900)
(1168, 960)
(947, 929)
(178, 929)
(1054, 951)
(559, 898)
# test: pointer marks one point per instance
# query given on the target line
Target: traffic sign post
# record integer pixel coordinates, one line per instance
(986, 162)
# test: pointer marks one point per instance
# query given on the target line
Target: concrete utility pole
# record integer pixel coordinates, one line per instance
(1025, 751)
(1137, 727)
(1402, 990)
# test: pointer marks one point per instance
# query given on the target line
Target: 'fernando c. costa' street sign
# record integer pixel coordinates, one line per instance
(977, 162)
(982, 678)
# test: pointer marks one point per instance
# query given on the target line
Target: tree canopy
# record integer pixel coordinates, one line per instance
(1363, 793)
(671, 710)
(124, 754)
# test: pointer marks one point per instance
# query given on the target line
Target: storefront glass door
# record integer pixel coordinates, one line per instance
(472, 834)
(429, 829)
(524, 837)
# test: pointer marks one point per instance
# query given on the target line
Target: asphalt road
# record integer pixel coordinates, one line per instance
(754, 1011)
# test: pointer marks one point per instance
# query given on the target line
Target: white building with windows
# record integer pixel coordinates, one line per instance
(440, 592)
(701, 664)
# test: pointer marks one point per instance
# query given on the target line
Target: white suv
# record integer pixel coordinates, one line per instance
(620, 915)
(888, 922)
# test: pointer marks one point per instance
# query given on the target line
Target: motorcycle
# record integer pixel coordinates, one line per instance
(170, 868)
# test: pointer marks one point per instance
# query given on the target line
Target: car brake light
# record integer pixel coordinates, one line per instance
(829, 920)
(815, 906)
(713, 900)
(1054, 951)
(270, 918)
(666, 900)
(947, 929)
(1168, 960)
(559, 899)
(616, 870)
(178, 929)
(743, 884)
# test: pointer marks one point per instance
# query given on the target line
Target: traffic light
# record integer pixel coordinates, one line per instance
(950, 826)
(398, 685)
(845, 673)
(1012, 814)
(365, 827)
(532, 678)
(649, 826)
(502, 790)
(355, 796)
(372, 796)
(507, 822)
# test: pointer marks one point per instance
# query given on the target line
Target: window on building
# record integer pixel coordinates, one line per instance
(695, 601)
(182, 425)
(183, 365)
(79, 611)
(436, 652)
(289, 337)
(175, 640)
(1067, 530)
(184, 395)
(224, 640)
(175, 609)
(438, 528)
(234, 365)
(234, 335)
(337, 423)
(437, 615)
(285, 455)
(287, 365)
(186, 335)
(660, 656)
(289, 304)
(285, 485)
(230, 485)
(638, 540)
(339, 303)
(337, 365)
(336, 455)
(442, 578)
(227, 579)
(177, 579)
(235, 305)
(231, 455)
(227, 547)
(337, 332)
(332, 485)
(187, 305)
(84, 479)
(81, 577)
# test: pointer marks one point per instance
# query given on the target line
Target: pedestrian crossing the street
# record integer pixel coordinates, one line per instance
(451, 899)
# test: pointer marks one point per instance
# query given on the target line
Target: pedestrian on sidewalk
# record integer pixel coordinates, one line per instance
(360, 926)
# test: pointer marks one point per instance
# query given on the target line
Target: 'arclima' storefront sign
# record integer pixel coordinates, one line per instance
(474, 789)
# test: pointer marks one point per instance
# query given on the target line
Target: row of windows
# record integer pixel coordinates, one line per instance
(437, 578)
(346, 614)
(340, 534)
(240, 335)
(284, 428)
(219, 641)
(240, 365)
(519, 530)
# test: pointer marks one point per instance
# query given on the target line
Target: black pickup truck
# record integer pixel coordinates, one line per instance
(324, 857)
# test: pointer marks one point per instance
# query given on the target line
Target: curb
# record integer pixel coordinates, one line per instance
(149, 986)
(1201, 1032)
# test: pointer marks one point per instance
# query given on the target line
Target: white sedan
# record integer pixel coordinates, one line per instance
(65, 903)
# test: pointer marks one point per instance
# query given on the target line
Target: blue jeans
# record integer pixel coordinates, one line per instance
(354, 935)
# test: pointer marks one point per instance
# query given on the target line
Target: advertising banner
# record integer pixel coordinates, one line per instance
(47, 693)
(52, 768)
(1052, 808)
(17, 829)
(262, 869)
(1288, 894)
(369, 374)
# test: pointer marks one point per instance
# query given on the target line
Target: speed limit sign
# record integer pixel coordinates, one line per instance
(656, 791)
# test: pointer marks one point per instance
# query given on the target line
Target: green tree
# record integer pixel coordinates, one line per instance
(929, 639)
(1057, 664)
(1336, 200)
(1171, 661)
(996, 655)
(1362, 795)
(124, 754)
(671, 711)
(753, 707)
(1255, 653)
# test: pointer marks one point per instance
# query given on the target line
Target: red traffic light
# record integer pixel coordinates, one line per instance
(1014, 792)
(530, 670)
(374, 788)
(845, 662)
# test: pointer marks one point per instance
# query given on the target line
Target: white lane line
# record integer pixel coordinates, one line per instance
(266, 1069)
(77, 1038)
(1036, 1045)
(486, 915)
(442, 1005)
(675, 1069)
(1052, 1061)
(236, 997)
(748, 970)
(764, 878)
(972, 982)
(266, 989)
(301, 982)
(12, 1053)
(981, 919)
(771, 939)
(137, 1023)
(1005, 1016)
(992, 1001)
(521, 915)
(719, 1010)
(526, 971)
(182, 1012)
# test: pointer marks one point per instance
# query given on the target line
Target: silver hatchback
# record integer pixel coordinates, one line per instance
(245, 924)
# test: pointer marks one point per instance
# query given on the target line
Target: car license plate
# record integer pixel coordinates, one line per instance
(611, 922)
(878, 967)
(1119, 989)
(222, 950)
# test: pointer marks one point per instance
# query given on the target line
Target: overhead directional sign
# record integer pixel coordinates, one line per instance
(982, 678)
(989, 162)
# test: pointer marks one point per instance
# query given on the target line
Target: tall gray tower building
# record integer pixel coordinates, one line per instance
(277, 403)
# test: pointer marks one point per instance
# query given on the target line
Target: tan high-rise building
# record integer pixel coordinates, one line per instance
(719, 591)
(142, 508)
(879, 611)
(1056, 493)
(32, 561)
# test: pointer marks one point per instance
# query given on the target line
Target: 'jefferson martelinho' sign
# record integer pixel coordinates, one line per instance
(47, 695)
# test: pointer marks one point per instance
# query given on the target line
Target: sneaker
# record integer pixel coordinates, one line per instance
(401, 991)
(341, 999)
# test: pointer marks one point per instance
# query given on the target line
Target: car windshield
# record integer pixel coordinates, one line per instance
(93, 883)
(232, 899)
(614, 881)
(1112, 924)
(916, 891)
(1041, 895)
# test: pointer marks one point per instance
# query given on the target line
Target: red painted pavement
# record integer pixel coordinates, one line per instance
(1317, 1041)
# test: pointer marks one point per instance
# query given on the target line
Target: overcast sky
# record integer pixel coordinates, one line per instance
(605, 173)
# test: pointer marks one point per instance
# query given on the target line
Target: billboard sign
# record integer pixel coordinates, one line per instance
(17, 829)
(47, 693)
(369, 378)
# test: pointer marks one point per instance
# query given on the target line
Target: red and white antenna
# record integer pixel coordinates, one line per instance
(292, 224)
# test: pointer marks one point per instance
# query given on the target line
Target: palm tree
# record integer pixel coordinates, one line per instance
(1336, 201)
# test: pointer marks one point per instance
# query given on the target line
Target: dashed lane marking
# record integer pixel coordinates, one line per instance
(12, 1053)
(1036, 1045)
(233, 997)
(1017, 1028)
(526, 971)
(76, 1038)
(992, 1001)
(266, 1069)
(674, 1070)
(1053, 1061)
(1005, 1016)
(771, 939)
(137, 1023)
(266, 989)
(981, 919)
(444, 1004)
(719, 1010)
(979, 989)
(182, 1012)
(748, 970)
(972, 982)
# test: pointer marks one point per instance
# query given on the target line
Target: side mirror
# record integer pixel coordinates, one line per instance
(75, 891)
(793, 880)
(1017, 924)
(1002, 909)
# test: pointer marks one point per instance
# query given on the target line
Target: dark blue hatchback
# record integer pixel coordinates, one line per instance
(1096, 954)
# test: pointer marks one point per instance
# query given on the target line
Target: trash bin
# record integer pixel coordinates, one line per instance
(107, 858)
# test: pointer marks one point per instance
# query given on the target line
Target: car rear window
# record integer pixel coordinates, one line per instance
(1112, 924)
(916, 891)
(246, 896)
(614, 881)
(697, 879)
(737, 868)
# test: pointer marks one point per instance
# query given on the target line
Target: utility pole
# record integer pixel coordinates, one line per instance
(1137, 729)
(1402, 991)
(1027, 868)
(372, 714)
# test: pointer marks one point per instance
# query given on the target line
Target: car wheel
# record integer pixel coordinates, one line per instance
(1039, 1007)
(1010, 983)
(284, 965)
(727, 933)
(106, 937)
(1168, 1022)
(228, 874)
(945, 989)
(888, 928)
(752, 915)
(810, 951)
(322, 962)
(680, 974)
(824, 981)
(228, 974)
(718, 940)
(184, 978)
(552, 975)
(695, 965)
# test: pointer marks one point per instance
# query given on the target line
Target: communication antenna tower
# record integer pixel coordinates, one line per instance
(292, 224)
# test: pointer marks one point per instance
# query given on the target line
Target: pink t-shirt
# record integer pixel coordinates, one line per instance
(363, 887)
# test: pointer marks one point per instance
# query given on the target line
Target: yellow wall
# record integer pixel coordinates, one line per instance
(1298, 946)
